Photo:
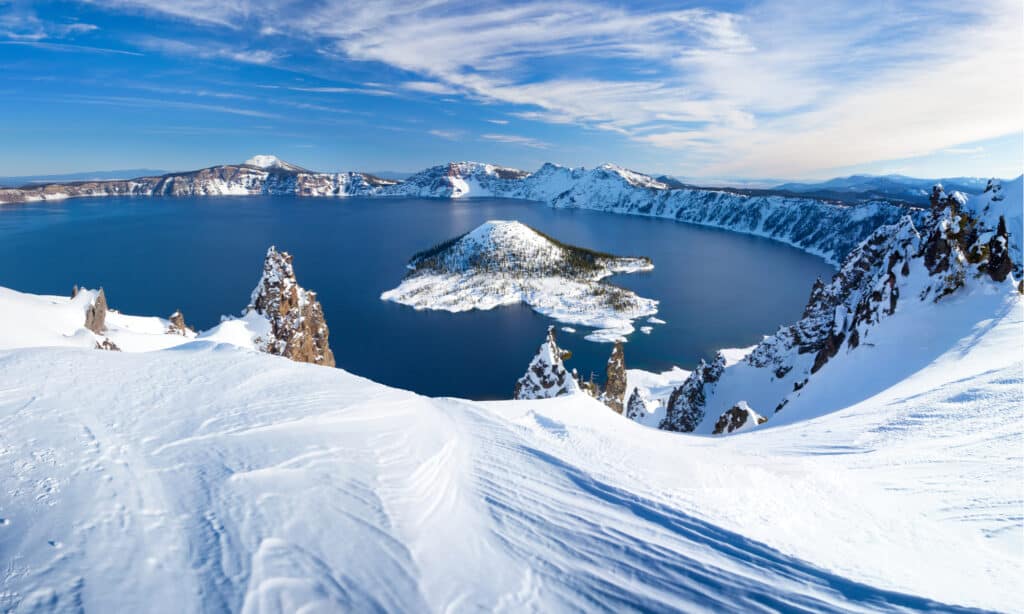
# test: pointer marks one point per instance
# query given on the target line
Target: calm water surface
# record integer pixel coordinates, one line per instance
(204, 255)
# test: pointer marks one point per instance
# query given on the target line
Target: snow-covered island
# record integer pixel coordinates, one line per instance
(507, 262)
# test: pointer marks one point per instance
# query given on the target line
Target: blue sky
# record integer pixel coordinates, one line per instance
(713, 90)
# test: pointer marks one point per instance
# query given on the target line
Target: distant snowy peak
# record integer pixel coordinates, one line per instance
(269, 162)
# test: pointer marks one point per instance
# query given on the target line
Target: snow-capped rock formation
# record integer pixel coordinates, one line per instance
(738, 417)
(903, 278)
(547, 377)
(96, 312)
(684, 410)
(297, 329)
(177, 324)
(614, 395)
(267, 162)
(636, 408)
(506, 262)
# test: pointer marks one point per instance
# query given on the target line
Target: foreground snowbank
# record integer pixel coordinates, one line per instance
(209, 477)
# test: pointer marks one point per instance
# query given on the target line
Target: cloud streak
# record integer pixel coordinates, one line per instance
(777, 88)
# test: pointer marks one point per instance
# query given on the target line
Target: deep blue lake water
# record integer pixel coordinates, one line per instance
(204, 255)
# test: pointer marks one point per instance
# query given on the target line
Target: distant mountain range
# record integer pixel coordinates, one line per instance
(899, 187)
(17, 181)
(852, 189)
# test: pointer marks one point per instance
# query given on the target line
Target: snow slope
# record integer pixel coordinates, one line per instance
(208, 477)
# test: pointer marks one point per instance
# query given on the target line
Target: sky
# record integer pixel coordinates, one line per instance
(728, 90)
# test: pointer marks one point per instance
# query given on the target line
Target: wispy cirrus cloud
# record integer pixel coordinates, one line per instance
(18, 22)
(448, 135)
(771, 88)
(207, 51)
(513, 139)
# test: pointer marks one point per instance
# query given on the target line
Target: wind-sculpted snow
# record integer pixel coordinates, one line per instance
(504, 263)
(211, 478)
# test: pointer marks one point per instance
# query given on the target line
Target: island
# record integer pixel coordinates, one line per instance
(507, 262)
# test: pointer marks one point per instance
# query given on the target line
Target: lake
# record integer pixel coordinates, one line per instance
(204, 255)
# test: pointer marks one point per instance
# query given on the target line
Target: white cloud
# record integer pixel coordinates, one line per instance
(779, 88)
(513, 139)
(500, 122)
(428, 87)
(207, 51)
(448, 135)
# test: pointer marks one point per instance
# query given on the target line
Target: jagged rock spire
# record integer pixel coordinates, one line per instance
(615, 383)
(297, 327)
(547, 376)
(96, 313)
(685, 409)
(178, 325)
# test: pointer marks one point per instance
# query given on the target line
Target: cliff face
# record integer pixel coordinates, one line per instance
(961, 250)
(297, 327)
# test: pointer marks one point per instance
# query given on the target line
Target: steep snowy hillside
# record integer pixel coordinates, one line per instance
(902, 298)
(504, 263)
(209, 477)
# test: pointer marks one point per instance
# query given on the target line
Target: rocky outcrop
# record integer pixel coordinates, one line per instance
(615, 382)
(739, 416)
(96, 313)
(547, 377)
(297, 327)
(177, 324)
(107, 344)
(685, 409)
(636, 408)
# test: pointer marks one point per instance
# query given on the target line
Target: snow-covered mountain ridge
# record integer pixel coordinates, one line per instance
(898, 300)
(826, 228)
(506, 262)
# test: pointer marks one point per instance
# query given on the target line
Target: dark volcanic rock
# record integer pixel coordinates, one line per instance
(685, 409)
(737, 417)
(637, 406)
(615, 384)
